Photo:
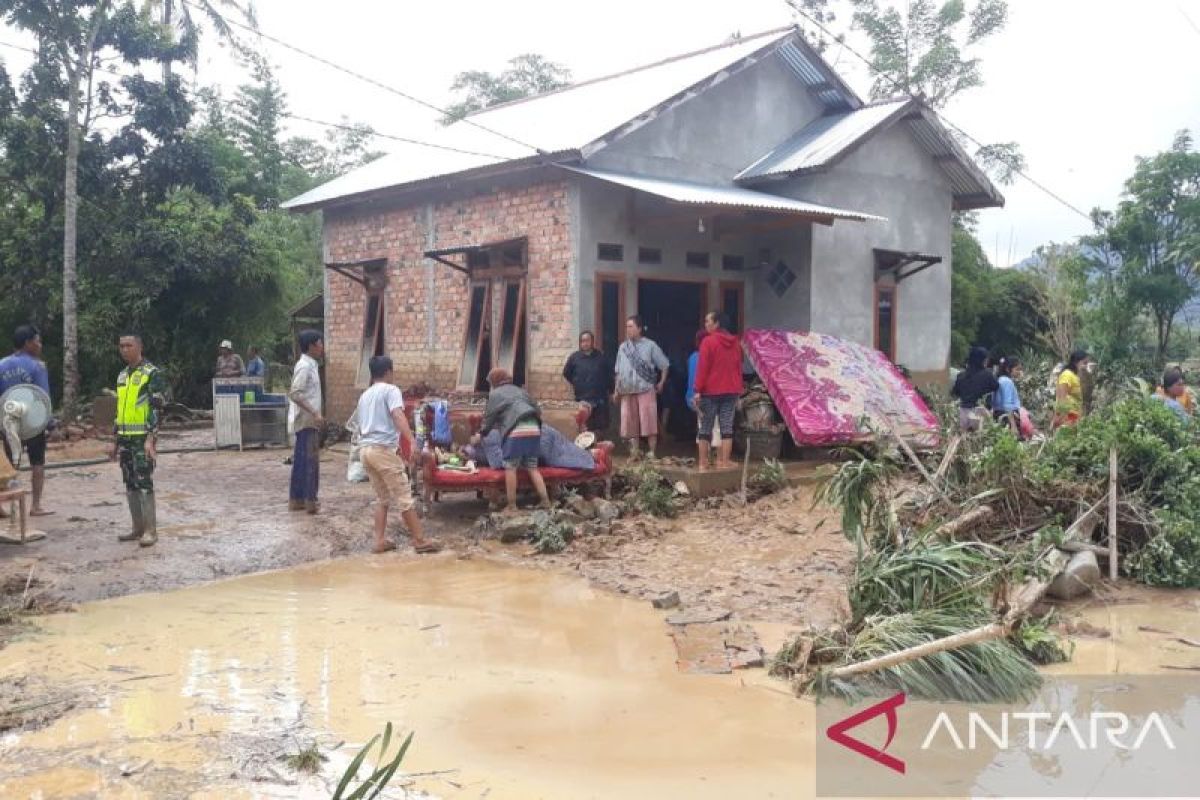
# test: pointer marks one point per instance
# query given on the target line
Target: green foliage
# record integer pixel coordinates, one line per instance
(307, 759)
(651, 492)
(1041, 644)
(385, 769)
(1156, 231)
(769, 478)
(989, 671)
(925, 573)
(859, 488)
(526, 75)
(551, 533)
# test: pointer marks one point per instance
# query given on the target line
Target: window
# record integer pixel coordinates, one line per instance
(885, 320)
(477, 347)
(733, 263)
(610, 313)
(697, 260)
(732, 295)
(512, 328)
(610, 252)
(780, 278)
(373, 338)
(649, 255)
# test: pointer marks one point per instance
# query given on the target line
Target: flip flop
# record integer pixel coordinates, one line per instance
(386, 548)
(427, 547)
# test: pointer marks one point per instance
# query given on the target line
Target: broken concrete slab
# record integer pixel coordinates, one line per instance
(716, 648)
(668, 600)
(1077, 578)
(699, 616)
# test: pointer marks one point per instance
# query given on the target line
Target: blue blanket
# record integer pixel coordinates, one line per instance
(556, 451)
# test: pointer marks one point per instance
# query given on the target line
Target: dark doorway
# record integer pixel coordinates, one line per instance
(673, 311)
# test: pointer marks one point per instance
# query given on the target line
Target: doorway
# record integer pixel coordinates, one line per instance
(673, 311)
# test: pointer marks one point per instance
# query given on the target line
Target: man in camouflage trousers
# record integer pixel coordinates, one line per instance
(141, 391)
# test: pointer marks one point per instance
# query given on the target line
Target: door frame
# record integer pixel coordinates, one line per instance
(598, 278)
(894, 290)
(705, 296)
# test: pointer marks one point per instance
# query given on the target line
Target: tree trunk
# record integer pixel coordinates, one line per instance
(166, 18)
(70, 232)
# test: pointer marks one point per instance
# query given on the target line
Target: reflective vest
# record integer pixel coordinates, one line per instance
(133, 401)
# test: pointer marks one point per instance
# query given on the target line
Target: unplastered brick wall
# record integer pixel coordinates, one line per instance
(426, 307)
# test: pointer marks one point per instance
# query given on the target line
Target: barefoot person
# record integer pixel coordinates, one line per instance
(641, 374)
(718, 387)
(381, 424)
(511, 411)
(25, 365)
(141, 390)
(307, 423)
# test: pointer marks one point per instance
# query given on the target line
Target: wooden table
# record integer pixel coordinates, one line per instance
(16, 497)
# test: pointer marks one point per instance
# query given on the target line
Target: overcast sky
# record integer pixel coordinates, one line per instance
(1083, 85)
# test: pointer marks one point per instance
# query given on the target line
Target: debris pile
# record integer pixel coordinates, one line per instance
(950, 571)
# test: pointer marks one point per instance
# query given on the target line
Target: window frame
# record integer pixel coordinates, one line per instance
(892, 290)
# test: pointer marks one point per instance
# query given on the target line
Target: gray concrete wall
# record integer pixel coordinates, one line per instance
(715, 135)
(892, 176)
(603, 215)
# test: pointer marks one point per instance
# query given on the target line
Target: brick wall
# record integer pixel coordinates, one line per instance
(538, 212)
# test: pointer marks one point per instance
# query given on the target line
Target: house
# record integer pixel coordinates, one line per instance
(746, 177)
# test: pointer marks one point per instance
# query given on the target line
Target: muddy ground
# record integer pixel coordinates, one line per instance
(225, 513)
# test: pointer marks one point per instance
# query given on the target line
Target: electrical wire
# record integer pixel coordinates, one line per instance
(949, 124)
(323, 123)
(372, 81)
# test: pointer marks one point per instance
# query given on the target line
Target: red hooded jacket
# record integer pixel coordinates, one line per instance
(720, 367)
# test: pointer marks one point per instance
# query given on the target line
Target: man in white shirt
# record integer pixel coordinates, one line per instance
(307, 423)
(381, 423)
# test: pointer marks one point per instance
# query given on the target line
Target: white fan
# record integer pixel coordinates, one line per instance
(26, 411)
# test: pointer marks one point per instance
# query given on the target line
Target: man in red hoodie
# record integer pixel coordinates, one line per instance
(718, 387)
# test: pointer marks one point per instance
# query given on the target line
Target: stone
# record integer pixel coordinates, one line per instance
(582, 506)
(606, 510)
(513, 527)
(681, 488)
(699, 616)
(668, 600)
(1077, 579)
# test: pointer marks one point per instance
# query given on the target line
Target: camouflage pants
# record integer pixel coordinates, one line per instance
(136, 467)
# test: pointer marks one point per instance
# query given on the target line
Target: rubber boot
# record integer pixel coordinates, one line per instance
(150, 517)
(135, 511)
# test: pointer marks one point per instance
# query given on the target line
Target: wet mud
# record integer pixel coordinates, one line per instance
(517, 683)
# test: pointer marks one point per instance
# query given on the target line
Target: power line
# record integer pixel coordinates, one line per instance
(373, 82)
(896, 85)
(323, 123)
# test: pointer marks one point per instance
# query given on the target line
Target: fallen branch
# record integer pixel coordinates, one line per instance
(948, 458)
(912, 456)
(1112, 514)
(951, 529)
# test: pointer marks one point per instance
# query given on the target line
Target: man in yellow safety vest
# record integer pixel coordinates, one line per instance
(141, 391)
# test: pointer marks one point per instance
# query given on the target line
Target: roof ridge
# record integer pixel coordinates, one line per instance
(730, 42)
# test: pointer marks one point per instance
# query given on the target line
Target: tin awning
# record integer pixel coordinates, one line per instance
(715, 198)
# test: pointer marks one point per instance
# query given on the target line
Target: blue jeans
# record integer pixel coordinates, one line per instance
(306, 465)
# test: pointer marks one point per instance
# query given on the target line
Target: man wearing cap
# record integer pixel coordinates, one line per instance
(229, 363)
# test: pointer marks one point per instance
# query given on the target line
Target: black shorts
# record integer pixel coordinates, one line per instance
(35, 447)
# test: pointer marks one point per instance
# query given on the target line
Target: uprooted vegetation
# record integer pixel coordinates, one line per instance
(949, 570)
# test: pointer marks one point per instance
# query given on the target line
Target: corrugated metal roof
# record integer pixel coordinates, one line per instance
(831, 90)
(727, 196)
(823, 140)
(829, 138)
(560, 121)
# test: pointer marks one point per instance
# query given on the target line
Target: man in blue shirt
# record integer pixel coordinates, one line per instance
(255, 367)
(25, 366)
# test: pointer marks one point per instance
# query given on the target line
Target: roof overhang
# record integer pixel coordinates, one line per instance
(725, 198)
(356, 270)
(894, 262)
(442, 255)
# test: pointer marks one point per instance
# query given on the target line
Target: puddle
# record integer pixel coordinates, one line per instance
(521, 683)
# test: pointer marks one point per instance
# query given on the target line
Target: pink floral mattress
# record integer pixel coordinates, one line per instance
(831, 391)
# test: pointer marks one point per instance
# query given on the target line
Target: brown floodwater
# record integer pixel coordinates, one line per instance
(518, 683)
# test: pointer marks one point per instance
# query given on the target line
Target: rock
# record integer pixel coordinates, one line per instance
(582, 506)
(681, 488)
(513, 527)
(668, 600)
(699, 616)
(606, 509)
(1081, 574)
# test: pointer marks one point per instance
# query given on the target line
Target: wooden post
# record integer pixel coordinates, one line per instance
(1112, 514)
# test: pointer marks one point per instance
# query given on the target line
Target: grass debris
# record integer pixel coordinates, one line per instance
(307, 760)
